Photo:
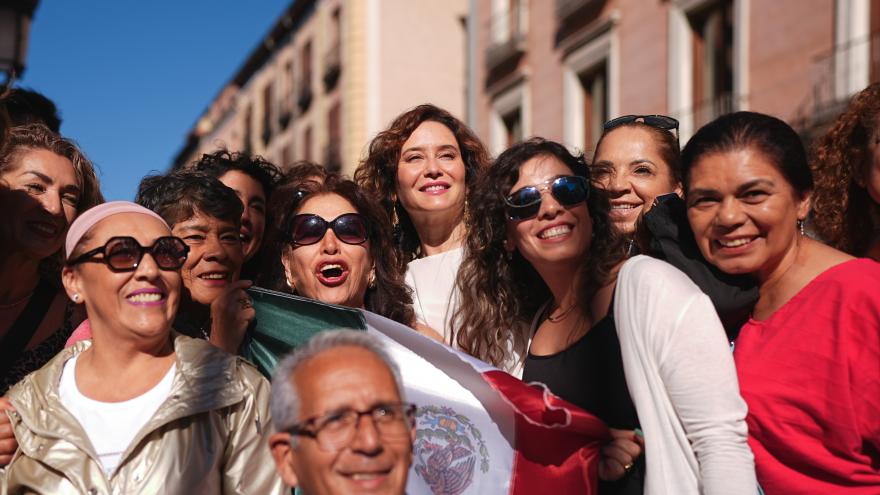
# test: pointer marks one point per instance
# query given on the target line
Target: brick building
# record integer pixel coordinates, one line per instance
(560, 68)
(330, 74)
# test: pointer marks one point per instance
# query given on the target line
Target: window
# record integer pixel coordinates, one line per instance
(708, 60)
(509, 118)
(248, 126)
(305, 80)
(874, 37)
(508, 20)
(513, 132)
(307, 144)
(332, 158)
(712, 55)
(589, 88)
(267, 114)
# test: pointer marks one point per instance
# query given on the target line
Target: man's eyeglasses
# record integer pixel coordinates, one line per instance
(306, 229)
(525, 203)
(336, 430)
(124, 254)
(659, 121)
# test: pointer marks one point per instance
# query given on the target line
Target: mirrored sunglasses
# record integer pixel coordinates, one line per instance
(525, 203)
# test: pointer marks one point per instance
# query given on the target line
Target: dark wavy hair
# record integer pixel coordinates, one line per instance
(255, 166)
(775, 139)
(500, 295)
(377, 173)
(177, 196)
(389, 296)
(843, 211)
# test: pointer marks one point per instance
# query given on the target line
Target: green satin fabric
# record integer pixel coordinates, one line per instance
(285, 321)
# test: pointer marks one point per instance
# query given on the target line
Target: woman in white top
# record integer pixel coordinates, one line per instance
(636, 342)
(423, 168)
(138, 408)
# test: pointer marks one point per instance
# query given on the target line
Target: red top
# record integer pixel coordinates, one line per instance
(811, 377)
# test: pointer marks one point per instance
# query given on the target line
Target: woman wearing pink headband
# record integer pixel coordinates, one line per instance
(142, 409)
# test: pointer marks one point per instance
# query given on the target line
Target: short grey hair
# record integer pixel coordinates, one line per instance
(285, 398)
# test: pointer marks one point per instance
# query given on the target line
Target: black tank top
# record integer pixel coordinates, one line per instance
(589, 374)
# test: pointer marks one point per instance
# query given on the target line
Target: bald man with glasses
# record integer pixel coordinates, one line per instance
(342, 424)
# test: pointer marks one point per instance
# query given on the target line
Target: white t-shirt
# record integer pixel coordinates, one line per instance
(111, 426)
(432, 280)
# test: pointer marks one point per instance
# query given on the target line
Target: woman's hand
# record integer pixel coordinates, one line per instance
(619, 455)
(8, 445)
(231, 313)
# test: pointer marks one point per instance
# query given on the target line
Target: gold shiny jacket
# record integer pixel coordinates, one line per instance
(209, 437)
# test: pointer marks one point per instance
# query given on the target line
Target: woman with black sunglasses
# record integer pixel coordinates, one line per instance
(546, 293)
(334, 241)
(137, 408)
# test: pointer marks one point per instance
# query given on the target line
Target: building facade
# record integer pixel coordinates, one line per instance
(331, 74)
(561, 68)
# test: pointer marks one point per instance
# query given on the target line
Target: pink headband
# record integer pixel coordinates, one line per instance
(93, 215)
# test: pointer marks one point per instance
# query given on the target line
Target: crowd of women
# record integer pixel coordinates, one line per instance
(716, 306)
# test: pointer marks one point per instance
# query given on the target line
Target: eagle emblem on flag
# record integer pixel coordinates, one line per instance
(447, 449)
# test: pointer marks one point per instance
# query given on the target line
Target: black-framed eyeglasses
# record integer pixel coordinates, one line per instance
(659, 121)
(124, 254)
(350, 228)
(336, 430)
(525, 203)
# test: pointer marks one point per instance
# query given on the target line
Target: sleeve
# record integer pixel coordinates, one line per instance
(697, 369)
(248, 464)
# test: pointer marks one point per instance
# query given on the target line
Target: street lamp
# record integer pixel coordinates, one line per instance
(15, 25)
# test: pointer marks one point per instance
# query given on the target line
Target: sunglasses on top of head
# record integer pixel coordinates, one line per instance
(124, 254)
(307, 229)
(659, 121)
(568, 190)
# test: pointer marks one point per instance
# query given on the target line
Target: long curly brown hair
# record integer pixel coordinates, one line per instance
(389, 296)
(500, 294)
(843, 211)
(378, 171)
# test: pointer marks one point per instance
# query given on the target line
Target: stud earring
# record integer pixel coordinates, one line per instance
(75, 298)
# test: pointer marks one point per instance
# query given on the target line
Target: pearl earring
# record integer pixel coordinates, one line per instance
(75, 298)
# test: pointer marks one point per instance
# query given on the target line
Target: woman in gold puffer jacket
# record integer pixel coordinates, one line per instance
(197, 418)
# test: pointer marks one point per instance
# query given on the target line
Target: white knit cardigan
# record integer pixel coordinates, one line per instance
(680, 374)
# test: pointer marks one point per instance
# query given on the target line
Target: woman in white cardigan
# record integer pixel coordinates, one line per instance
(634, 342)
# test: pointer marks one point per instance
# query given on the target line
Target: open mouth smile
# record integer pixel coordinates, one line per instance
(332, 273)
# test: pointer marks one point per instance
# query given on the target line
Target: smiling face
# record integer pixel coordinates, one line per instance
(215, 256)
(41, 218)
(744, 212)
(431, 173)
(253, 218)
(330, 270)
(628, 164)
(335, 379)
(139, 304)
(558, 236)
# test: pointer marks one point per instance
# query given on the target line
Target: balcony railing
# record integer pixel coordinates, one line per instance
(508, 32)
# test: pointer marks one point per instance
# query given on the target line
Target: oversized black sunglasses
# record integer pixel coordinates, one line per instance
(659, 121)
(350, 228)
(568, 190)
(124, 254)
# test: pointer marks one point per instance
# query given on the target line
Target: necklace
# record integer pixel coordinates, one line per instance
(560, 317)
(17, 303)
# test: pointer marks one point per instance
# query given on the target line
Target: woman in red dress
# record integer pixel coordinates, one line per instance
(808, 360)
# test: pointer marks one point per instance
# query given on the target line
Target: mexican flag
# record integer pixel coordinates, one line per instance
(479, 429)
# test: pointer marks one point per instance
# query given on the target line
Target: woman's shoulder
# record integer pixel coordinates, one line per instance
(647, 274)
